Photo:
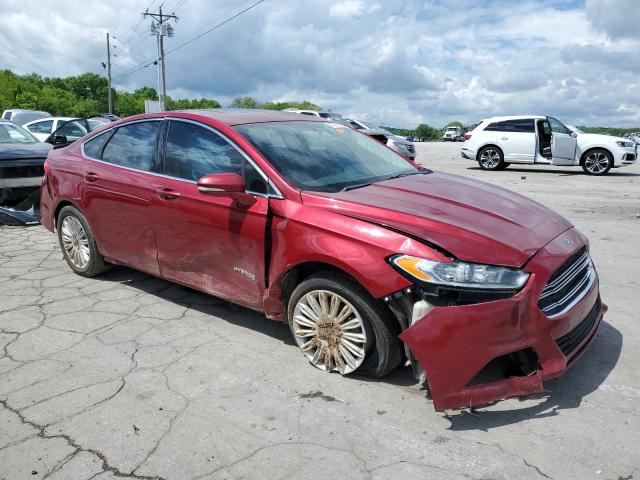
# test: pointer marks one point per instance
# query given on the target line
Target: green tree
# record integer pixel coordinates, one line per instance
(244, 102)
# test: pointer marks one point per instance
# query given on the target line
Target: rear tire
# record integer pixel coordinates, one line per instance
(78, 243)
(491, 158)
(372, 349)
(597, 162)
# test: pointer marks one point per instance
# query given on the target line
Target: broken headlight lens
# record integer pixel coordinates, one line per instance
(461, 274)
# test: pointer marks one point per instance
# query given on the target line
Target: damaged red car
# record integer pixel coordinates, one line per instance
(372, 260)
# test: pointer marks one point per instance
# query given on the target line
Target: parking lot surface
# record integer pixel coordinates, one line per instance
(126, 375)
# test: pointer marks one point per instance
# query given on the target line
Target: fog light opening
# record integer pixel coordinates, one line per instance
(517, 364)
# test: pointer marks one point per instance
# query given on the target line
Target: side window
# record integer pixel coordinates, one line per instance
(519, 125)
(41, 127)
(494, 127)
(254, 181)
(558, 127)
(93, 147)
(73, 130)
(133, 146)
(193, 152)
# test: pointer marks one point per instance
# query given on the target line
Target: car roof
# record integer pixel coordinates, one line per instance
(240, 116)
(512, 117)
(50, 118)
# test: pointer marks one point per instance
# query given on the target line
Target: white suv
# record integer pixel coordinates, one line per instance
(532, 139)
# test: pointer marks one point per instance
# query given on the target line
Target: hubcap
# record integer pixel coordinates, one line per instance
(596, 162)
(490, 159)
(75, 242)
(329, 331)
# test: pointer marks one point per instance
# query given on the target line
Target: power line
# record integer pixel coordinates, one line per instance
(151, 60)
(215, 27)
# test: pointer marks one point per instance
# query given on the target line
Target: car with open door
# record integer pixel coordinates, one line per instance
(372, 260)
(70, 130)
(497, 142)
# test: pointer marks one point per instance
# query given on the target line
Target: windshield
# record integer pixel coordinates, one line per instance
(331, 116)
(324, 157)
(575, 129)
(15, 134)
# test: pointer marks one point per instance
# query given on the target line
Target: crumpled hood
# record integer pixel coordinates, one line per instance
(15, 151)
(472, 220)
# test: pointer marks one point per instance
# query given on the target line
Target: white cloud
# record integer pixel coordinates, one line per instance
(397, 63)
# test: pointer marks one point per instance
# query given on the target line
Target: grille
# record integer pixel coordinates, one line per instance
(570, 341)
(568, 285)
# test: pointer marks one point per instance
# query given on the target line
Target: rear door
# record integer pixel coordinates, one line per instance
(210, 243)
(516, 138)
(117, 189)
(563, 143)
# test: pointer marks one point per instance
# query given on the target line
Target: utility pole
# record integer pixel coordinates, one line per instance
(108, 67)
(160, 30)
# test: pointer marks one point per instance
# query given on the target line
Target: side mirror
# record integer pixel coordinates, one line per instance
(57, 139)
(574, 134)
(226, 185)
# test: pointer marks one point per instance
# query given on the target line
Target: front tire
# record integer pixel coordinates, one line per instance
(78, 243)
(339, 327)
(597, 162)
(491, 158)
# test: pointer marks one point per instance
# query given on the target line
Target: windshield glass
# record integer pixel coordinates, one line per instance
(324, 157)
(15, 134)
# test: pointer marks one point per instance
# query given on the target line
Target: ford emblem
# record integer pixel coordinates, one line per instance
(568, 242)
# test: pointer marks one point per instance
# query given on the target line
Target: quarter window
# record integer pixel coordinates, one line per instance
(133, 146)
(93, 147)
(193, 152)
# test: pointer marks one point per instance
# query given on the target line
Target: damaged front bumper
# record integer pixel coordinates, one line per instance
(477, 354)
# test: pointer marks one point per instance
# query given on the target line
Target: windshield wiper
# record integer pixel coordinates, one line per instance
(419, 172)
(355, 185)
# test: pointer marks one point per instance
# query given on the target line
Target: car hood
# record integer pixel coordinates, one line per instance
(11, 151)
(472, 220)
(599, 138)
(399, 139)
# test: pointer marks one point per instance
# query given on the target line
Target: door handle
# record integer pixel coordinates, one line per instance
(505, 138)
(167, 193)
(91, 177)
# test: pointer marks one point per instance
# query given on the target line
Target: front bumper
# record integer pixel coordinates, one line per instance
(454, 344)
(20, 177)
(623, 157)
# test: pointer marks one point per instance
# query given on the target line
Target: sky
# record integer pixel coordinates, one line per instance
(393, 62)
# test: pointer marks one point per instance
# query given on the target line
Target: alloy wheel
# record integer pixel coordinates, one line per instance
(329, 331)
(490, 159)
(75, 242)
(596, 162)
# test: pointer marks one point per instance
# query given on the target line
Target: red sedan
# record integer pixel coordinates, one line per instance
(372, 260)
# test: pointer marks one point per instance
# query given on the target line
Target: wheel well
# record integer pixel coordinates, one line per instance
(292, 277)
(485, 146)
(587, 152)
(60, 206)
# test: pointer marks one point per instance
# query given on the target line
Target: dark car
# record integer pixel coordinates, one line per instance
(356, 247)
(22, 159)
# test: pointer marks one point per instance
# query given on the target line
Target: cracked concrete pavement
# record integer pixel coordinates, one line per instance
(129, 376)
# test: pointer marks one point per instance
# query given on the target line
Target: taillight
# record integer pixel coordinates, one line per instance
(467, 136)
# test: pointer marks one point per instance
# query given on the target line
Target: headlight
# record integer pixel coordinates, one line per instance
(401, 146)
(461, 274)
(624, 144)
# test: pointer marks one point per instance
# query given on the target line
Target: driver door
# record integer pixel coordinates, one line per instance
(563, 143)
(210, 243)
